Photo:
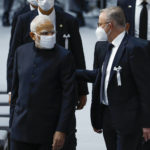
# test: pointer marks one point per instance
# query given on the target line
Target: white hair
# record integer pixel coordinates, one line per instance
(38, 21)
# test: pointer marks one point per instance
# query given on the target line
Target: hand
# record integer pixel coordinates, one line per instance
(9, 98)
(146, 134)
(58, 141)
(97, 130)
(82, 102)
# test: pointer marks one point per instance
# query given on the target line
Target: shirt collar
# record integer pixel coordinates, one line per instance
(117, 41)
(31, 7)
(52, 16)
(138, 2)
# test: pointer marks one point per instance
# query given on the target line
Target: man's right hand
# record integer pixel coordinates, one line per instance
(98, 130)
(9, 98)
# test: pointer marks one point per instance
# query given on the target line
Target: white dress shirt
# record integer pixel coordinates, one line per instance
(52, 17)
(116, 42)
(138, 9)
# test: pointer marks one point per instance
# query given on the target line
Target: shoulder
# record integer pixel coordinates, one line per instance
(101, 45)
(21, 11)
(23, 48)
(28, 14)
(64, 15)
(136, 45)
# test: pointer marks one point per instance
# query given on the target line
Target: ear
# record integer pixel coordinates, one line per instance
(32, 35)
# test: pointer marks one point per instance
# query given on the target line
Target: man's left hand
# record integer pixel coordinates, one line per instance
(146, 134)
(82, 102)
(58, 140)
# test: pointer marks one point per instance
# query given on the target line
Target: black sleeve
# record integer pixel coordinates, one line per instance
(77, 51)
(14, 22)
(86, 75)
(16, 42)
(14, 91)
(69, 94)
(140, 67)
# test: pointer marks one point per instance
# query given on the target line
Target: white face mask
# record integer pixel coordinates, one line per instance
(101, 34)
(46, 4)
(47, 42)
(33, 2)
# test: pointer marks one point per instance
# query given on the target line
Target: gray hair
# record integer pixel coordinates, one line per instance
(115, 14)
(38, 21)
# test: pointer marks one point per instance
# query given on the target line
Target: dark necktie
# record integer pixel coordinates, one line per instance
(105, 64)
(143, 21)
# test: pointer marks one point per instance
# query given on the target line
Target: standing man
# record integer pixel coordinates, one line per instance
(43, 92)
(138, 16)
(78, 6)
(67, 35)
(120, 102)
(32, 5)
(7, 8)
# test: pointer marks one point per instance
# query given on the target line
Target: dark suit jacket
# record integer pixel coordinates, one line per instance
(129, 9)
(19, 12)
(129, 103)
(43, 93)
(65, 24)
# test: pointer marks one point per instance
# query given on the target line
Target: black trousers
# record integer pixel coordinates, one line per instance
(70, 144)
(114, 140)
(7, 7)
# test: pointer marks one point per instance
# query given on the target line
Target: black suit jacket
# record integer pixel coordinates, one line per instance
(43, 93)
(19, 12)
(129, 9)
(129, 103)
(65, 24)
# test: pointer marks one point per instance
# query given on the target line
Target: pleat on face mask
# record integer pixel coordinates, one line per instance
(47, 42)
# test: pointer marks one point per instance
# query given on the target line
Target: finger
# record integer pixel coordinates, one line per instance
(145, 137)
(148, 136)
(79, 107)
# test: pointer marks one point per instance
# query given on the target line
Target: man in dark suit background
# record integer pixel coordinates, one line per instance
(7, 8)
(137, 14)
(67, 35)
(32, 5)
(120, 101)
(43, 92)
(67, 32)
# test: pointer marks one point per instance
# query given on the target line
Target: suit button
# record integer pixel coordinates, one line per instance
(33, 76)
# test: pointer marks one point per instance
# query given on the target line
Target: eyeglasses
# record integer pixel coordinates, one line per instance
(100, 24)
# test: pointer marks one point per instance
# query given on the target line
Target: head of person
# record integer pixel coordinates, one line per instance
(46, 6)
(111, 23)
(42, 32)
(33, 3)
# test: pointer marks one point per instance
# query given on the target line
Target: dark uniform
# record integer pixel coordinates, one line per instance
(43, 96)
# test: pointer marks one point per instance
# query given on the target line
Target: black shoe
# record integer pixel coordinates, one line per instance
(5, 21)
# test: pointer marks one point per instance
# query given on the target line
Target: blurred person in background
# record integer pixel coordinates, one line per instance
(78, 7)
(31, 5)
(6, 14)
(138, 16)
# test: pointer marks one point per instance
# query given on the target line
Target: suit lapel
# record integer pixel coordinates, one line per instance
(59, 25)
(118, 55)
